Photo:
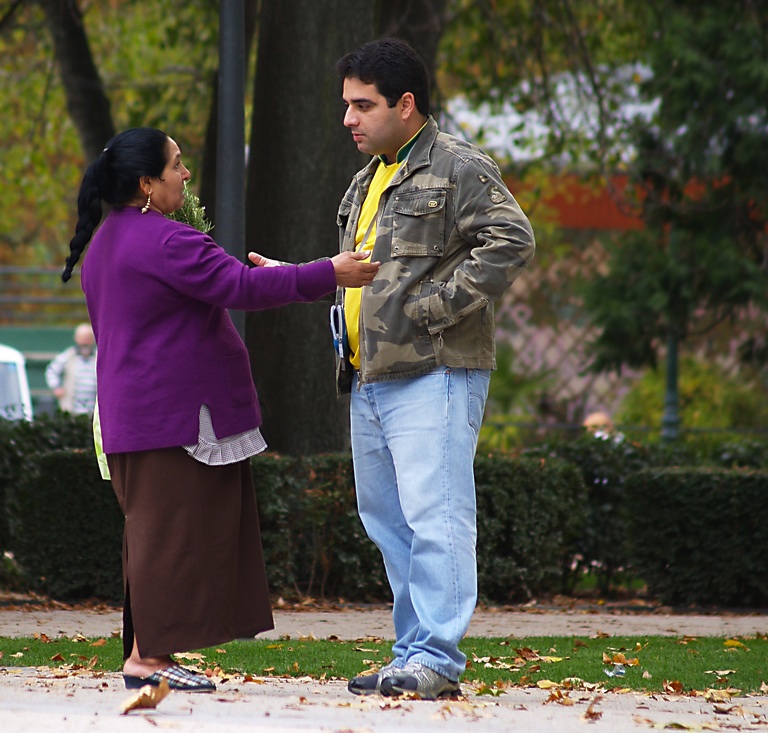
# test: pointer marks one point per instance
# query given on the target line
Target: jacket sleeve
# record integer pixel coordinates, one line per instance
(501, 240)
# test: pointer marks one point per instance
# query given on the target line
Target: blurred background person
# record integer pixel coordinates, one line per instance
(71, 376)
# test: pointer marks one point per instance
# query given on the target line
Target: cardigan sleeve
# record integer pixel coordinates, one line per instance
(194, 264)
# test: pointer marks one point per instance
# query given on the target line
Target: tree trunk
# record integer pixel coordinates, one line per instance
(87, 102)
(419, 23)
(301, 161)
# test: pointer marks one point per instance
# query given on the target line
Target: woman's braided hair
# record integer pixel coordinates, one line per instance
(114, 179)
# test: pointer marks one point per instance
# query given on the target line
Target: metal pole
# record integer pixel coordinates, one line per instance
(230, 144)
(670, 420)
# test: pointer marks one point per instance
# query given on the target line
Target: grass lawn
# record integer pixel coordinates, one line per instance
(653, 663)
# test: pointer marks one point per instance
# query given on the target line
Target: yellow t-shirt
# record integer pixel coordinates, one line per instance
(366, 229)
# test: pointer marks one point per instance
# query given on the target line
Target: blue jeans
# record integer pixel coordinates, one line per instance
(413, 443)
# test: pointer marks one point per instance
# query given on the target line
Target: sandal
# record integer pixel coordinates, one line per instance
(177, 677)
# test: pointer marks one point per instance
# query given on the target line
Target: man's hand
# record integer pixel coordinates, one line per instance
(352, 271)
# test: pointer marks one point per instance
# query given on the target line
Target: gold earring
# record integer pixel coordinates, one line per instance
(145, 208)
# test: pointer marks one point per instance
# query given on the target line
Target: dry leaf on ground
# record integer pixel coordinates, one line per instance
(148, 697)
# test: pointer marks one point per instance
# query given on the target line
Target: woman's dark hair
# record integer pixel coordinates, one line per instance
(114, 178)
(393, 66)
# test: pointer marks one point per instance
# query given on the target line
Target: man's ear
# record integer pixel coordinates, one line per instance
(407, 106)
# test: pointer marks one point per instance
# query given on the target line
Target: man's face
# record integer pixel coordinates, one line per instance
(377, 129)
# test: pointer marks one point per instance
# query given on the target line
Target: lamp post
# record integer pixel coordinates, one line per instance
(670, 420)
(230, 143)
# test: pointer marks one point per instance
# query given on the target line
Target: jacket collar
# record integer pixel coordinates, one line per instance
(418, 158)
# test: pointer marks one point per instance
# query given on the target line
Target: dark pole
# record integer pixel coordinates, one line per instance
(230, 144)
(670, 420)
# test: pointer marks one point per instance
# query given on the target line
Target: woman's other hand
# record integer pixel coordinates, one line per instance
(352, 271)
(261, 261)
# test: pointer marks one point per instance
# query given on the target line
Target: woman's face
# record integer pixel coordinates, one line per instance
(167, 192)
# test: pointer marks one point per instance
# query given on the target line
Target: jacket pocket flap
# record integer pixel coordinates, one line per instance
(419, 203)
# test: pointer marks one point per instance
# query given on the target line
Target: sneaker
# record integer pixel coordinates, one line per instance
(370, 684)
(421, 680)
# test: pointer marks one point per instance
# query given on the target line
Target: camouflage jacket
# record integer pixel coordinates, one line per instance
(451, 239)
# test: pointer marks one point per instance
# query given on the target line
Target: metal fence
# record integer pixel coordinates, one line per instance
(36, 296)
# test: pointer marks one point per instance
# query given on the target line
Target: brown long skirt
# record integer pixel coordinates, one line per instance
(192, 560)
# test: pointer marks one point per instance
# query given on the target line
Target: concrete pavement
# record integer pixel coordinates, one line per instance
(33, 700)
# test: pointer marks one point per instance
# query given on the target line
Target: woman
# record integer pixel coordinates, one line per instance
(178, 410)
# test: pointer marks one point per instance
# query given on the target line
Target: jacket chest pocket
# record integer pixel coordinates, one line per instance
(418, 223)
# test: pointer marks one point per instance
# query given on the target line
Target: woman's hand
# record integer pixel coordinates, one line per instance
(352, 271)
(261, 261)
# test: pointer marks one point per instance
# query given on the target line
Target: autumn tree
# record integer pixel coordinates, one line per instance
(700, 174)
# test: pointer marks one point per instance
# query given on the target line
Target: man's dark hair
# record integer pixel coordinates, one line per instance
(393, 66)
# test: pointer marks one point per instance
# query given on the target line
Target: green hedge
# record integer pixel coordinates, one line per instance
(62, 514)
(314, 543)
(66, 527)
(530, 513)
(603, 547)
(700, 535)
(19, 440)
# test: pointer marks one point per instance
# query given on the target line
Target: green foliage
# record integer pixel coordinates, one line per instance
(530, 513)
(156, 61)
(20, 441)
(66, 527)
(192, 212)
(544, 519)
(314, 543)
(709, 398)
(700, 535)
(701, 189)
(600, 548)
(518, 54)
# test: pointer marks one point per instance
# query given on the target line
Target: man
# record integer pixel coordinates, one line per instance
(71, 376)
(450, 237)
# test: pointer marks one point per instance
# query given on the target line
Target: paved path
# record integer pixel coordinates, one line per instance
(33, 701)
(355, 623)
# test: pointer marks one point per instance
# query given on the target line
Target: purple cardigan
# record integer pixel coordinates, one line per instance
(157, 293)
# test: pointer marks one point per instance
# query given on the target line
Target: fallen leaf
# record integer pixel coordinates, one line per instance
(592, 713)
(488, 690)
(546, 684)
(675, 687)
(57, 658)
(148, 697)
(560, 697)
(735, 644)
(99, 642)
